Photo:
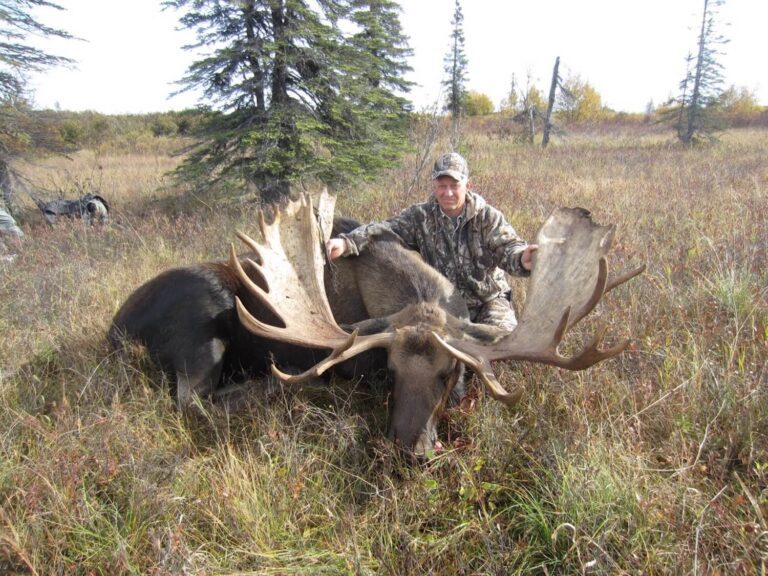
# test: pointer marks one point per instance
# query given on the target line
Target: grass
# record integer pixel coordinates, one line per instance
(653, 463)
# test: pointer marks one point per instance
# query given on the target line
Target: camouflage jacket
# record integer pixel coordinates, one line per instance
(471, 253)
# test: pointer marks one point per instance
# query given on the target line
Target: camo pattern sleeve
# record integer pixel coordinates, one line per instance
(403, 227)
(503, 242)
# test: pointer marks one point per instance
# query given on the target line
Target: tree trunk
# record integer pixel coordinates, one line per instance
(280, 64)
(255, 40)
(550, 104)
(531, 124)
(274, 183)
(693, 107)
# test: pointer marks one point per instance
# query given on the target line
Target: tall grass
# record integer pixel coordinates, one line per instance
(653, 463)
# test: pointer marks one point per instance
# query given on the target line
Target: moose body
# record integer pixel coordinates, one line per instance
(187, 319)
(383, 308)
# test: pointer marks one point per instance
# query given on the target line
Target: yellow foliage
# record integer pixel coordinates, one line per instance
(477, 104)
(580, 102)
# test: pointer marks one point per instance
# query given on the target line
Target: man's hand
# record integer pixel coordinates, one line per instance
(335, 247)
(527, 257)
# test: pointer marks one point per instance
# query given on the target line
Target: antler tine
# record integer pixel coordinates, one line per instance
(283, 334)
(252, 287)
(590, 354)
(250, 242)
(568, 281)
(482, 367)
(270, 231)
(352, 347)
(619, 280)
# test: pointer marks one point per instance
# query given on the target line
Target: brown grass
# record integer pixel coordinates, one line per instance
(653, 463)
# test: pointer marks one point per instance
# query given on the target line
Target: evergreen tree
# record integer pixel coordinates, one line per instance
(701, 87)
(510, 102)
(18, 56)
(373, 86)
(456, 69)
(301, 91)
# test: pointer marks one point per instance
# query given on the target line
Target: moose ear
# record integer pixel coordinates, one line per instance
(369, 326)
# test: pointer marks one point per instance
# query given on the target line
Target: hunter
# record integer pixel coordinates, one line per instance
(457, 232)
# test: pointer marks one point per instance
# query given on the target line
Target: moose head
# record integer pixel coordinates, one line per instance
(427, 345)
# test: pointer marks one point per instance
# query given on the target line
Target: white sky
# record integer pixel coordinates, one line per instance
(631, 51)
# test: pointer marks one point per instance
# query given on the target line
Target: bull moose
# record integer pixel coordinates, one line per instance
(196, 321)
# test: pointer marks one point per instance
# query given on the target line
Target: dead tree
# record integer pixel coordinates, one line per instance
(551, 103)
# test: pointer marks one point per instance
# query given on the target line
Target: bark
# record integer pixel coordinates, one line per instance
(280, 65)
(550, 103)
(255, 42)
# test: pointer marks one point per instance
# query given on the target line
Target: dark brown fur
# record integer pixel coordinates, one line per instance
(186, 317)
(187, 320)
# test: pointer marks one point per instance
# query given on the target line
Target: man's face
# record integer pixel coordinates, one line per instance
(450, 194)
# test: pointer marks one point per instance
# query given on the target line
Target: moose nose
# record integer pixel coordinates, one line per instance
(419, 450)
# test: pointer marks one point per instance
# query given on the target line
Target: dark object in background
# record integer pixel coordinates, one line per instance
(92, 208)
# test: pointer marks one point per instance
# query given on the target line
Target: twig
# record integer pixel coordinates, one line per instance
(682, 469)
(433, 131)
(661, 399)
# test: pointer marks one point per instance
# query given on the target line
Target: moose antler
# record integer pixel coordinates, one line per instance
(290, 267)
(569, 279)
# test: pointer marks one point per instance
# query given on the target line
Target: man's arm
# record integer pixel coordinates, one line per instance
(351, 244)
(511, 253)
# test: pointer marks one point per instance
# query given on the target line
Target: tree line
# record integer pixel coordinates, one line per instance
(301, 92)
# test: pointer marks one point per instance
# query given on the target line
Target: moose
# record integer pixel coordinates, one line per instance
(384, 308)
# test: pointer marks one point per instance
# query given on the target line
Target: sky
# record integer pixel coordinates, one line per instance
(631, 51)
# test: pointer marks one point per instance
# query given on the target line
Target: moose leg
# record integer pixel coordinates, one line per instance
(200, 373)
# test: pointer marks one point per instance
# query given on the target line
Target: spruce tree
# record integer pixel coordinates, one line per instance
(18, 56)
(702, 85)
(300, 92)
(456, 63)
(17, 53)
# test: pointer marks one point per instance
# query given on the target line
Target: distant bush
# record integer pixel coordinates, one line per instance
(740, 107)
(59, 130)
(478, 104)
(578, 101)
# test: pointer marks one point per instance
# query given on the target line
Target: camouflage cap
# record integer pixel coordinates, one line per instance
(453, 165)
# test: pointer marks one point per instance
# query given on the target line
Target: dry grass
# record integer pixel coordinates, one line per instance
(653, 463)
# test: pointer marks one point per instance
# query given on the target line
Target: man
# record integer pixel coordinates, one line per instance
(462, 236)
